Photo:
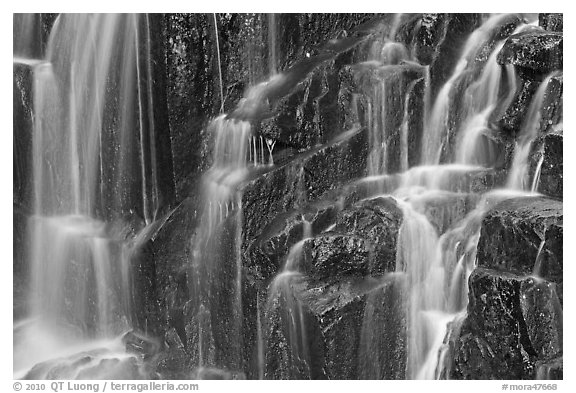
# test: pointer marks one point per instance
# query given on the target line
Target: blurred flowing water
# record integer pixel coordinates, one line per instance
(93, 166)
(96, 192)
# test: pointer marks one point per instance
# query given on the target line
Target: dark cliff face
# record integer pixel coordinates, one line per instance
(317, 113)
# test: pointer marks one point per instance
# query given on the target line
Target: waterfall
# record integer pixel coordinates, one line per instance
(219, 238)
(328, 226)
(93, 162)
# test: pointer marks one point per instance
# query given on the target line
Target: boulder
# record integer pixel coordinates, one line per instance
(378, 221)
(513, 325)
(331, 255)
(523, 235)
(534, 52)
(493, 341)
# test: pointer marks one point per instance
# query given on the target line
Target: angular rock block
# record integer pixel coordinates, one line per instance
(493, 341)
(354, 328)
(552, 110)
(523, 235)
(513, 116)
(535, 52)
(378, 221)
(543, 316)
(332, 255)
(546, 164)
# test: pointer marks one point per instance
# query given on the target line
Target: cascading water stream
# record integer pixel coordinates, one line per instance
(518, 175)
(95, 167)
(281, 298)
(91, 163)
(437, 125)
(436, 249)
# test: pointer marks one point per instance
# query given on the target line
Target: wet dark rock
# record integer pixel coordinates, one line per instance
(441, 39)
(332, 255)
(535, 52)
(524, 235)
(552, 369)
(383, 340)
(552, 106)
(378, 221)
(20, 267)
(193, 94)
(416, 121)
(349, 332)
(306, 179)
(316, 108)
(200, 342)
(542, 312)
(291, 335)
(268, 252)
(551, 111)
(513, 324)
(547, 153)
(513, 116)
(159, 264)
(551, 22)
(172, 340)
(22, 122)
(140, 344)
(172, 364)
(493, 342)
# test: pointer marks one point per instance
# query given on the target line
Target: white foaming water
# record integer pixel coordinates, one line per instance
(518, 176)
